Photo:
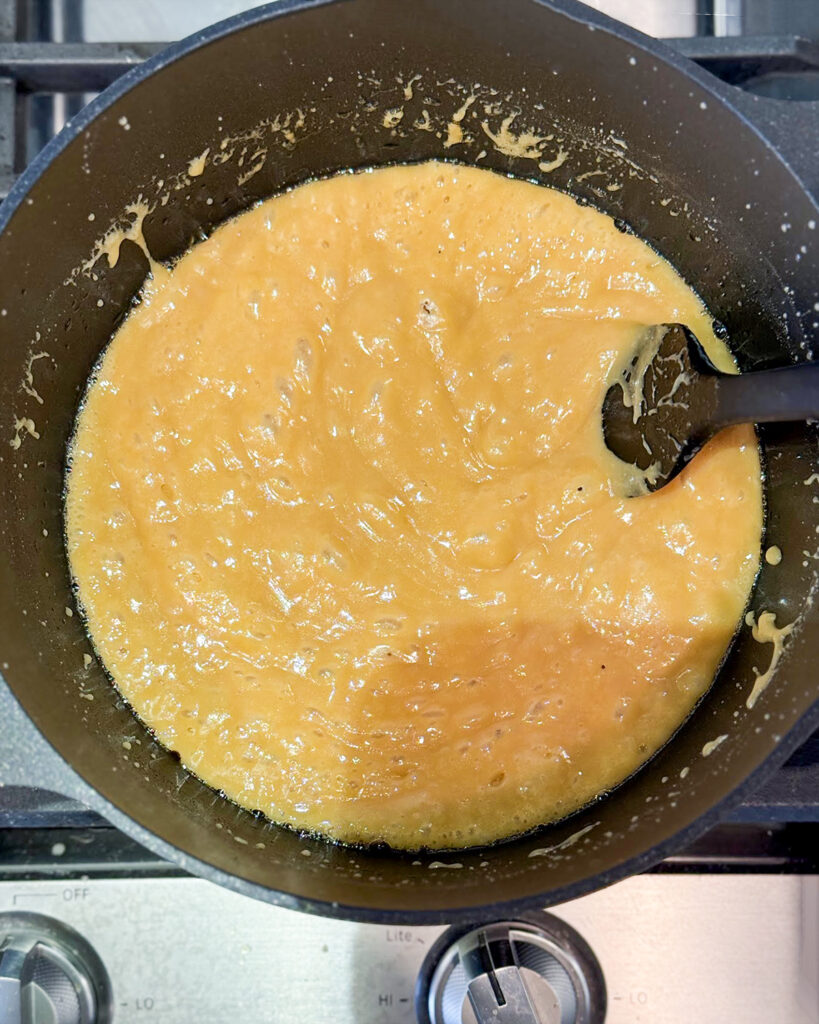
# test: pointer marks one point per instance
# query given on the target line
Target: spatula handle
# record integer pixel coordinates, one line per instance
(768, 396)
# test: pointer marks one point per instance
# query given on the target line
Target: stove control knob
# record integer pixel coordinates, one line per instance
(49, 974)
(533, 970)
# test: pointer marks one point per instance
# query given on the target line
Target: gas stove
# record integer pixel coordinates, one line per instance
(93, 928)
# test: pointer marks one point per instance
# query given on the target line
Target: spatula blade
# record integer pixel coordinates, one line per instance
(658, 414)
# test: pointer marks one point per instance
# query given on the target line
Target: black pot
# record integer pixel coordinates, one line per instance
(697, 181)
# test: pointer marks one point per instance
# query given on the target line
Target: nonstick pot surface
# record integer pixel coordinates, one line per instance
(294, 91)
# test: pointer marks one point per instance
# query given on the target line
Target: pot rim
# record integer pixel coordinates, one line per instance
(801, 730)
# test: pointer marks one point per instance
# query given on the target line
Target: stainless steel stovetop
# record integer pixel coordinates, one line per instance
(684, 948)
(95, 929)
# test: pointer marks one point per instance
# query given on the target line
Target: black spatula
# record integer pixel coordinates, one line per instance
(672, 399)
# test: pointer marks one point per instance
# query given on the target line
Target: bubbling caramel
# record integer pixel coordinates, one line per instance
(345, 531)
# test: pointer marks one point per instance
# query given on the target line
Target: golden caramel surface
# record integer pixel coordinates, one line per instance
(345, 529)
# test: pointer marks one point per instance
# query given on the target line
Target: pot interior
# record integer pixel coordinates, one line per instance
(299, 91)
